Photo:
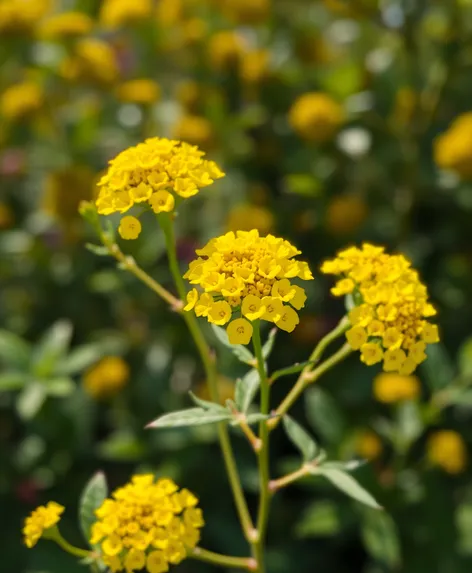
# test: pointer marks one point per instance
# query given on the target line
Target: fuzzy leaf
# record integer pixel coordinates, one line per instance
(93, 495)
(246, 389)
(206, 405)
(300, 438)
(269, 343)
(347, 484)
(190, 417)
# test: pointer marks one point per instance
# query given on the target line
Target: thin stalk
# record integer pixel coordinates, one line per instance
(263, 453)
(211, 379)
(305, 379)
(284, 481)
(224, 560)
(76, 551)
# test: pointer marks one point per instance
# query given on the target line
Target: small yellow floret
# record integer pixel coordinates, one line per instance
(130, 227)
(391, 388)
(107, 377)
(316, 117)
(40, 521)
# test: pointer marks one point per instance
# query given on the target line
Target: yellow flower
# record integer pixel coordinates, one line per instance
(42, 519)
(315, 116)
(453, 148)
(21, 100)
(345, 214)
(65, 25)
(195, 130)
(245, 217)
(391, 309)
(225, 49)
(118, 13)
(253, 275)
(142, 91)
(239, 331)
(447, 449)
(254, 66)
(391, 388)
(247, 11)
(92, 60)
(130, 227)
(21, 16)
(107, 377)
(368, 445)
(220, 313)
(145, 174)
(147, 523)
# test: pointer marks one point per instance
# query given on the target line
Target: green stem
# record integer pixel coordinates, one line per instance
(211, 378)
(224, 560)
(263, 453)
(305, 379)
(286, 480)
(57, 537)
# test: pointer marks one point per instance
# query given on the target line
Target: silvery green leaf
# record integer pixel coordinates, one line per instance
(31, 400)
(59, 387)
(246, 389)
(99, 250)
(347, 484)
(380, 537)
(240, 351)
(93, 495)
(190, 417)
(438, 370)
(256, 418)
(300, 438)
(324, 415)
(79, 359)
(206, 405)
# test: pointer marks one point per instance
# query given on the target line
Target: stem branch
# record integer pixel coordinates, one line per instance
(200, 554)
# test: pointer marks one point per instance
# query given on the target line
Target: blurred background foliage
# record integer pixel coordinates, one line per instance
(336, 121)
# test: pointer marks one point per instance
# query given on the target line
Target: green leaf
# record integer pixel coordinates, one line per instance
(380, 537)
(240, 351)
(121, 446)
(409, 423)
(324, 415)
(300, 438)
(93, 495)
(438, 369)
(99, 250)
(51, 348)
(14, 351)
(206, 405)
(319, 519)
(347, 484)
(79, 359)
(13, 381)
(253, 419)
(298, 367)
(190, 417)
(269, 344)
(31, 400)
(59, 387)
(246, 389)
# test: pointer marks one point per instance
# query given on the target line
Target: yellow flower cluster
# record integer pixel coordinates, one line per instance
(21, 15)
(446, 449)
(65, 25)
(117, 13)
(390, 387)
(92, 60)
(246, 277)
(147, 524)
(453, 148)
(368, 445)
(40, 520)
(142, 91)
(316, 117)
(21, 100)
(147, 173)
(391, 305)
(107, 377)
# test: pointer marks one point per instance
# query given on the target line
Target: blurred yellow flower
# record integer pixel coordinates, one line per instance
(453, 148)
(118, 13)
(107, 377)
(225, 49)
(169, 12)
(65, 25)
(245, 217)
(316, 117)
(389, 320)
(146, 173)
(254, 66)
(345, 214)
(21, 16)
(188, 94)
(390, 388)
(6, 216)
(368, 445)
(92, 60)
(225, 389)
(64, 190)
(247, 275)
(194, 129)
(247, 11)
(21, 100)
(147, 524)
(142, 91)
(42, 519)
(447, 449)
(193, 30)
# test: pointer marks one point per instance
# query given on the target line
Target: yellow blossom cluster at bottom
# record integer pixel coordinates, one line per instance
(147, 524)
(41, 519)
